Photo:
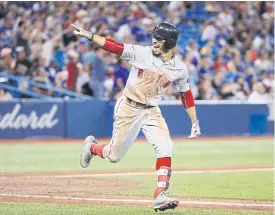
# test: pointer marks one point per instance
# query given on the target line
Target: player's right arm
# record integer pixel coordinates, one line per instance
(134, 54)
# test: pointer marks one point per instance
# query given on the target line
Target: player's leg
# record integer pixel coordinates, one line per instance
(127, 124)
(156, 131)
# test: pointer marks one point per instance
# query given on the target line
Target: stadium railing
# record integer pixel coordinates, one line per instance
(24, 92)
(58, 92)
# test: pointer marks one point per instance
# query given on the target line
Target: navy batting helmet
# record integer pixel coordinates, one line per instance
(168, 32)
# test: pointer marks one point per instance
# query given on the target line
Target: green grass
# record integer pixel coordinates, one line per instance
(42, 157)
(53, 209)
(241, 185)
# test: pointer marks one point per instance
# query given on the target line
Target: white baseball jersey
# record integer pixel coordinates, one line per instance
(149, 75)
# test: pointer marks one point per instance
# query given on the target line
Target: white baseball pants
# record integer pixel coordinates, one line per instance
(129, 120)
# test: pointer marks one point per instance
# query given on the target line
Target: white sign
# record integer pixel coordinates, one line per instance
(16, 121)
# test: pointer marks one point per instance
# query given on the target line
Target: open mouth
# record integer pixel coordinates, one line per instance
(156, 46)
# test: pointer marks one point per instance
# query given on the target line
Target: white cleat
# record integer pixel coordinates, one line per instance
(86, 155)
(163, 202)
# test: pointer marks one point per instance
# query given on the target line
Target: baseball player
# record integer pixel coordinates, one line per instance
(153, 69)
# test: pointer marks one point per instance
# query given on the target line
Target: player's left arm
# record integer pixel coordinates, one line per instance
(188, 102)
(105, 43)
(133, 54)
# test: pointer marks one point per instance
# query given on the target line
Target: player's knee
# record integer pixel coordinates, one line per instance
(115, 155)
(114, 159)
(112, 153)
(165, 150)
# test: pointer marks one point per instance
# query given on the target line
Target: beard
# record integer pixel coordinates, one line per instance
(161, 52)
(157, 54)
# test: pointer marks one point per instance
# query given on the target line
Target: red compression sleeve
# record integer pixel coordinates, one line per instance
(113, 46)
(187, 99)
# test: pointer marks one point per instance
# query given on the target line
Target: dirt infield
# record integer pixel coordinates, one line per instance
(50, 188)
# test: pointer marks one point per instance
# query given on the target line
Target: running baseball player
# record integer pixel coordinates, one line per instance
(153, 69)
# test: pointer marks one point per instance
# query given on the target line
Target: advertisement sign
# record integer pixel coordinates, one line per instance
(31, 120)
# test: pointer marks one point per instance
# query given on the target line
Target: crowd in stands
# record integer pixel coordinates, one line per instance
(228, 47)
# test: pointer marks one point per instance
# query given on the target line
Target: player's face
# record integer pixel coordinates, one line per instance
(157, 46)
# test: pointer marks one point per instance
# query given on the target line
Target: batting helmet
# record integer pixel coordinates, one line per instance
(168, 32)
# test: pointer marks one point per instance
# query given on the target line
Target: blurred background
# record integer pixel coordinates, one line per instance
(56, 89)
(228, 48)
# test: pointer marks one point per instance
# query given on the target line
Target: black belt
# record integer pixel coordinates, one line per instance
(137, 104)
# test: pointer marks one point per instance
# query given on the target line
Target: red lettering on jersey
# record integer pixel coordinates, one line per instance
(163, 81)
(165, 85)
(140, 73)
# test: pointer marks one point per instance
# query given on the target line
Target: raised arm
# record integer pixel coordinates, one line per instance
(105, 43)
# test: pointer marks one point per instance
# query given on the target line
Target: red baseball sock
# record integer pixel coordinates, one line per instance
(97, 149)
(163, 162)
(163, 168)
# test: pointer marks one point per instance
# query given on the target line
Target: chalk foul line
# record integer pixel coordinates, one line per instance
(134, 200)
(179, 172)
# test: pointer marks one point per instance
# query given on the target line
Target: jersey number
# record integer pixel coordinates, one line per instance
(140, 73)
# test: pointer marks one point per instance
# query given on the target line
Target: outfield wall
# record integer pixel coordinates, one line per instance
(22, 119)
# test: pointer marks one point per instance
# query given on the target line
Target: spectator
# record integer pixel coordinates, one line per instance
(124, 32)
(219, 63)
(59, 57)
(87, 56)
(204, 65)
(217, 83)
(243, 86)
(52, 70)
(68, 36)
(236, 40)
(72, 70)
(263, 63)
(175, 12)
(8, 63)
(4, 94)
(120, 79)
(23, 36)
(109, 82)
(41, 77)
(83, 78)
(21, 59)
(98, 74)
(258, 93)
(187, 59)
(225, 19)
(232, 72)
(193, 50)
(61, 79)
(36, 47)
(206, 92)
(207, 49)
(210, 32)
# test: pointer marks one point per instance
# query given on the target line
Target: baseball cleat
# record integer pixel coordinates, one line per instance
(86, 155)
(163, 202)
